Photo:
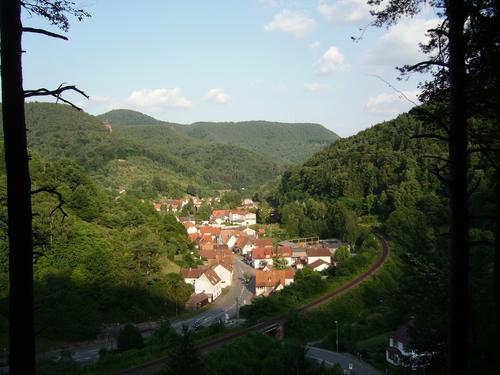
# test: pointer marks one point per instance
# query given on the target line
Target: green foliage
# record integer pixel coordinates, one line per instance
(104, 262)
(261, 354)
(184, 360)
(144, 160)
(129, 338)
(342, 254)
(284, 143)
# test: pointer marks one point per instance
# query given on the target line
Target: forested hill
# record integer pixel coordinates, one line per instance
(384, 178)
(120, 160)
(285, 143)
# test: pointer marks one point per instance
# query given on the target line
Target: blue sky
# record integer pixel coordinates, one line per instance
(232, 60)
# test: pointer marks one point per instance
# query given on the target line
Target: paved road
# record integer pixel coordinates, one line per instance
(346, 360)
(239, 294)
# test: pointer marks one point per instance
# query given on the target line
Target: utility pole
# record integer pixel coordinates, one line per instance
(237, 309)
(337, 335)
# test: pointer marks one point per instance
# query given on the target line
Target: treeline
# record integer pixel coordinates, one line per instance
(98, 258)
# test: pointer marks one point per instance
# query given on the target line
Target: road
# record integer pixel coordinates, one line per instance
(346, 360)
(239, 294)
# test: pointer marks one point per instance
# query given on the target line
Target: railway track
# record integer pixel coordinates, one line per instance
(159, 363)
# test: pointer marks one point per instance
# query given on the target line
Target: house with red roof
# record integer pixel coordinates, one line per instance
(262, 256)
(268, 282)
(319, 265)
(225, 273)
(205, 280)
(317, 252)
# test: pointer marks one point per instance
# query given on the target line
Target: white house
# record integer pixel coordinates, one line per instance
(262, 256)
(315, 253)
(209, 283)
(244, 245)
(190, 275)
(267, 282)
(286, 253)
(399, 353)
(250, 232)
(231, 242)
(225, 273)
(190, 227)
(242, 217)
(319, 265)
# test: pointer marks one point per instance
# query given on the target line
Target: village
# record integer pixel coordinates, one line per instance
(228, 236)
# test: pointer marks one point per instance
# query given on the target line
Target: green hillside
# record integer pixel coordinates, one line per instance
(122, 160)
(284, 143)
(129, 117)
(383, 179)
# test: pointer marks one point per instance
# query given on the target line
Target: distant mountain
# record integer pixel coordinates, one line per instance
(284, 143)
(122, 160)
(127, 117)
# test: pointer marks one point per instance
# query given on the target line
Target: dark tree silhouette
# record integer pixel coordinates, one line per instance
(21, 315)
(461, 53)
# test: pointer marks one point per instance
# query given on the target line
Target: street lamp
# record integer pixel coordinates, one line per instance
(337, 335)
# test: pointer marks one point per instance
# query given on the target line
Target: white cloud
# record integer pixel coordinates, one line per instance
(159, 99)
(289, 21)
(345, 11)
(316, 87)
(331, 61)
(314, 45)
(217, 95)
(392, 103)
(399, 45)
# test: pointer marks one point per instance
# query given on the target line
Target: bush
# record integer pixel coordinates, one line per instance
(129, 338)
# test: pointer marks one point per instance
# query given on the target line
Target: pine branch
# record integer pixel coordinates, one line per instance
(59, 207)
(44, 32)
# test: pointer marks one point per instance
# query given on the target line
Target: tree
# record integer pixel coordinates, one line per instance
(184, 360)
(129, 338)
(342, 254)
(21, 331)
(457, 58)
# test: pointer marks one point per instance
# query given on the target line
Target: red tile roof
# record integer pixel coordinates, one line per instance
(262, 253)
(285, 251)
(267, 242)
(317, 263)
(192, 273)
(318, 251)
(212, 276)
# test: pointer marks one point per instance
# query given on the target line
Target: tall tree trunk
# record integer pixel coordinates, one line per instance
(497, 276)
(459, 222)
(21, 328)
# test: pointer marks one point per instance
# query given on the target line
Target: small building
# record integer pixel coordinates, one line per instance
(268, 282)
(399, 352)
(225, 273)
(197, 301)
(262, 256)
(318, 252)
(319, 265)
(190, 275)
(209, 283)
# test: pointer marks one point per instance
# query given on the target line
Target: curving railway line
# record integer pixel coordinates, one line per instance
(159, 363)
